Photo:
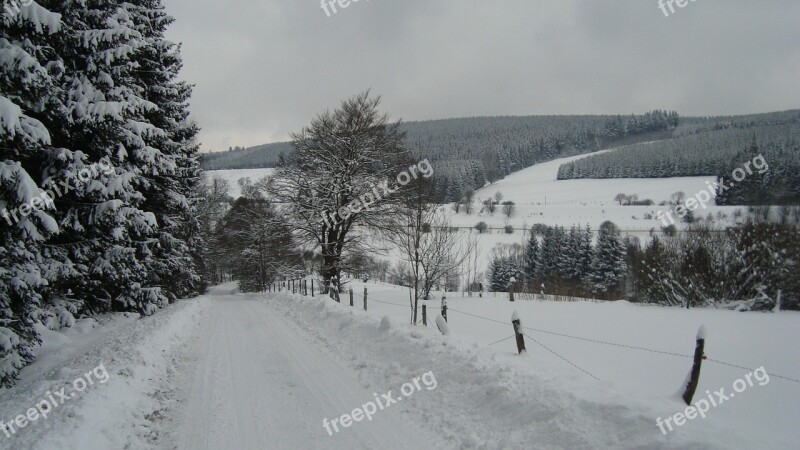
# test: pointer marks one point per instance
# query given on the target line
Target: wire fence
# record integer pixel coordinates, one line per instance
(292, 286)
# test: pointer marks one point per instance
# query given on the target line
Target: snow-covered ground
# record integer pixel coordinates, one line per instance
(253, 371)
(140, 358)
(541, 198)
(635, 387)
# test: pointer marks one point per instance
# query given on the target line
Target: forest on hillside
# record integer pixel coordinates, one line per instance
(717, 151)
(468, 152)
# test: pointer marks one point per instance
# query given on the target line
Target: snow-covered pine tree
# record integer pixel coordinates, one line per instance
(26, 92)
(585, 257)
(501, 270)
(531, 257)
(106, 238)
(168, 194)
(608, 267)
(79, 120)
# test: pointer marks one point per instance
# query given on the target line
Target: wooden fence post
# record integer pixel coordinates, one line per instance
(511, 283)
(365, 298)
(444, 308)
(425, 315)
(351, 296)
(312, 287)
(518, 332)
(694, 377)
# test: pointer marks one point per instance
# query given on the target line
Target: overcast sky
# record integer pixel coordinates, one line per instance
(264, 68)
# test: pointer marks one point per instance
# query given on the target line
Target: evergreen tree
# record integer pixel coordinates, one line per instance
(532, 257)
(94, 122)
(27, 91)
(609, 267)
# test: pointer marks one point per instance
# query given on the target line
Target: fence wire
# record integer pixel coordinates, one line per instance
(595, 341)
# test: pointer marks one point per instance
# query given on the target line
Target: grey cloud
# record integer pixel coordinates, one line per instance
(263, 68)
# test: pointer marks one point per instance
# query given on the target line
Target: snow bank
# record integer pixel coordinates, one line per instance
(484, 399)
(140, 358)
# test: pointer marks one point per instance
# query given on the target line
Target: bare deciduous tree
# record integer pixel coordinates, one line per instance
(342, 161)
(424, 237)
(508, 208)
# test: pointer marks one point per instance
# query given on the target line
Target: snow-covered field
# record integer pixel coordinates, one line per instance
(541, 198)
(252, 371)
(635, 387)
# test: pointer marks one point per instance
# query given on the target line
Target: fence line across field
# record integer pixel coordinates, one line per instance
(301, 287)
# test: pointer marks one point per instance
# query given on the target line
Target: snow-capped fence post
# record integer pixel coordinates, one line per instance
(425, 315)
(511, 288)
(444, 308)
(365, 298)
(351, 296)
(517, 324)
(441, 323)
(694, 376)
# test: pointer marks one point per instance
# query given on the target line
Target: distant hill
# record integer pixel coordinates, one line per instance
(468, 152)
(258, 157)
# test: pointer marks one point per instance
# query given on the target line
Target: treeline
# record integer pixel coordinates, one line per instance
(711, 153)
(97, 169)
(469, 152)
(564, 262)
(256, 157)
(751, 266)
(253, 244)
(700, 154)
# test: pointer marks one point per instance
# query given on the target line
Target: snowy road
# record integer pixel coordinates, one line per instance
(259, 383)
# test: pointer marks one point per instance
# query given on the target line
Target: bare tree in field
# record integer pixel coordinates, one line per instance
(508, 208)
(426, 242)
(341, 175)
(445, 253)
